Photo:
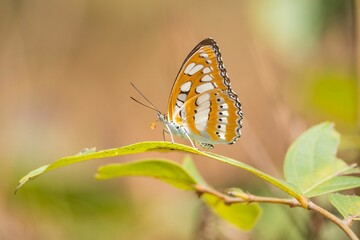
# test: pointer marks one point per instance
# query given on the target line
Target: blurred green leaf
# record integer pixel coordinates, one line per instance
(347, 205)
(280, 223)
(158, 147)
(166, 171)
(335, 184)
(333, 95)
(242, 215)
(350, 142)
(311, 161)
(189, 166)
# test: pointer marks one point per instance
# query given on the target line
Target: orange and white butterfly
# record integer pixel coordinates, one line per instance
(202, 106)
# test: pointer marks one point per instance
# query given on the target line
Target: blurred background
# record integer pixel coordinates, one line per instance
(65, 73)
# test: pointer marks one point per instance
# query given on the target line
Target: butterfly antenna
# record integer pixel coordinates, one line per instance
(144, 104)
(151, 105)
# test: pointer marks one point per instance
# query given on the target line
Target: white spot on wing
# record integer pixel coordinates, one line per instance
(206, 70)
(206, 78)
(202, 98)
(222, 127)
(203, 106)
(200, 127)
(204, 55)
(195, 69)
(220, 100)
(201, 119)
(224, 120)
(182, 97)
(176, 108)
(204, 87)
(224, 113)
(186, 86)
(183, 113)
(224, 106)
(179, 103)
(221, 135)
(189, 67)
(208, 61)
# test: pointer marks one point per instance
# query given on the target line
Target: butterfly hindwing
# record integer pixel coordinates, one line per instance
(212, 117)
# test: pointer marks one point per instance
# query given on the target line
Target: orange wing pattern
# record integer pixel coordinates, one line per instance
(212, 117)
(202, 100)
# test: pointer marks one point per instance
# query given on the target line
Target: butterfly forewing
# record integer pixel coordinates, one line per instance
(202, 100)
(202, 70)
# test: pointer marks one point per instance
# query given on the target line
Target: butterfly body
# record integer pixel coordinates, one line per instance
(202, 106)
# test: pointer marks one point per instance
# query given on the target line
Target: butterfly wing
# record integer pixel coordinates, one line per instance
(201, 94)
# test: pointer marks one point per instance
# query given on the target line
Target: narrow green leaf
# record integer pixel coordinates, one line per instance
(286, 187)
(334, 185)
(311, 160)
(242, 215)
(164, 170)
(159, 147)
(31, 176)
(90, 155)
(347, 205)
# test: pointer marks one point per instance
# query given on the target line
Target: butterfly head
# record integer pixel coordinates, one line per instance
(161, 117)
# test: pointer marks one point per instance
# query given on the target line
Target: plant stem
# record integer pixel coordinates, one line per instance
(242, 197)
(333, 218)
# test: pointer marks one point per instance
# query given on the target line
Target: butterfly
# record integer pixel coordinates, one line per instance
(202, 106)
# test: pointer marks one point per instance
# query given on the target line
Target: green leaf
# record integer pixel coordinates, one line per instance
(311, 160)
(90, 155)
(286, 187)
(335, 184)
(329, 91)
(189, 166)
(242, 215)
(347, 205)
(158, 147)
(164, 170)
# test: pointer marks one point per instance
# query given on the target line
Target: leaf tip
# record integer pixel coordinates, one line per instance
(17, 188)
(98, 176)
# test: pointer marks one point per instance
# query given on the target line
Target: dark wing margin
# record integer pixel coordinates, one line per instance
(223, 74)
(207, 41)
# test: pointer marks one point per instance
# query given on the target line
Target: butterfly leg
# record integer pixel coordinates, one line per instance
(191, 141)
(163, 132)
(168, 131)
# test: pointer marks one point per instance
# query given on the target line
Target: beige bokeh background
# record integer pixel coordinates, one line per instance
(65, 73)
